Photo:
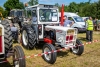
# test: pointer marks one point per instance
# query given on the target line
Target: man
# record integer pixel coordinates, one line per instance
(95, 24)
(89, 29)
(34, 16)
(67, 22)
(15, 32)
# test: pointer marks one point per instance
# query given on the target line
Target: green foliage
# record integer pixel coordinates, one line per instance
(33, 2)
(56, 4)
(98, 8)
(1, 9)
(73, 7)
(12, 4)
(4, 12)
(83, 8)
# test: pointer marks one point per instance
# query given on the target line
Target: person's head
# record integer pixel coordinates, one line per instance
(11, 24)
(65, 17)
(96, 18)
(90, 18)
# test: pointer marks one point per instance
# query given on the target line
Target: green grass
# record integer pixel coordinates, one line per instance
(90, 57)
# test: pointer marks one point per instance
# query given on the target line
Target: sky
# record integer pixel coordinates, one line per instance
(52, 2)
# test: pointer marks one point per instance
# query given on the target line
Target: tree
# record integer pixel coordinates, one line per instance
(4, 13)
(1, 9)
(73, 7)
(13, 4)
(33, 2)
(56, 4)
(98, 9)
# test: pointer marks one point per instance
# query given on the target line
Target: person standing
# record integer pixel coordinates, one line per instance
(67, 23)
(95, 24)
(89, 29)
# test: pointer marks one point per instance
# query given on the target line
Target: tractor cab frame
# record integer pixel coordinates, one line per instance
(17, 17)
(41, 15)
(16, 13)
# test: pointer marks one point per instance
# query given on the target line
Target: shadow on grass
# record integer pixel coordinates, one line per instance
(6, 64)
(86, 53)
(79, 56)
(82, 38)
(62, 53)
(39, 46)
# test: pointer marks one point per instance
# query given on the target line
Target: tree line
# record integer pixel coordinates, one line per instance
(83, 8)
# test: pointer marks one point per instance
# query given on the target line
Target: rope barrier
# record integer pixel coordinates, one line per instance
(41, 54)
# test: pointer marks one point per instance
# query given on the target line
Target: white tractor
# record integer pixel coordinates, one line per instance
(6, 46)
(43, 26)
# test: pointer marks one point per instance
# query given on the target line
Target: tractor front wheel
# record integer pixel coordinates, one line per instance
(49, 54)
(79, 48)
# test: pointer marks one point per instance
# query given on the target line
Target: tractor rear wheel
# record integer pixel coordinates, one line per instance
(7, 35)
(49, 57)
(28, 37)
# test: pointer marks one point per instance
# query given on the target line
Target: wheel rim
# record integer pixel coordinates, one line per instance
(25, 38)
(47, 56)
(75, 49)
(16, 60)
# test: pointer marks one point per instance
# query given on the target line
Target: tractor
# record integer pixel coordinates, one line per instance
(43, 26)
(6, 46)
(15, 18)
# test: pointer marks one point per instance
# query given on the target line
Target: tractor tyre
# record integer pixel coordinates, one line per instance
(7, 36)
(19, 57)
(49, 57)
(10, 22)
(28, 37)
(79, 48)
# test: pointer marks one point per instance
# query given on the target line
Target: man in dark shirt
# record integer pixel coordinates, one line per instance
(95, 24)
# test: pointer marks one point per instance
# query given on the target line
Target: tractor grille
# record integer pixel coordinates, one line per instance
(71, 36)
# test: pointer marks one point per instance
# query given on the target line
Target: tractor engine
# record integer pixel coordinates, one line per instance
(62, 35)
(50, 34)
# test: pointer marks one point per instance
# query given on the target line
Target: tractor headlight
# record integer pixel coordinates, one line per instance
(60, 39)
(0, 31)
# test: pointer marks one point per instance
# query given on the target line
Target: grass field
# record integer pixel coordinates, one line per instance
(90, 57)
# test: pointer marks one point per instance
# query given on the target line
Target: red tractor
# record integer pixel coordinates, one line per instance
(6, 46)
